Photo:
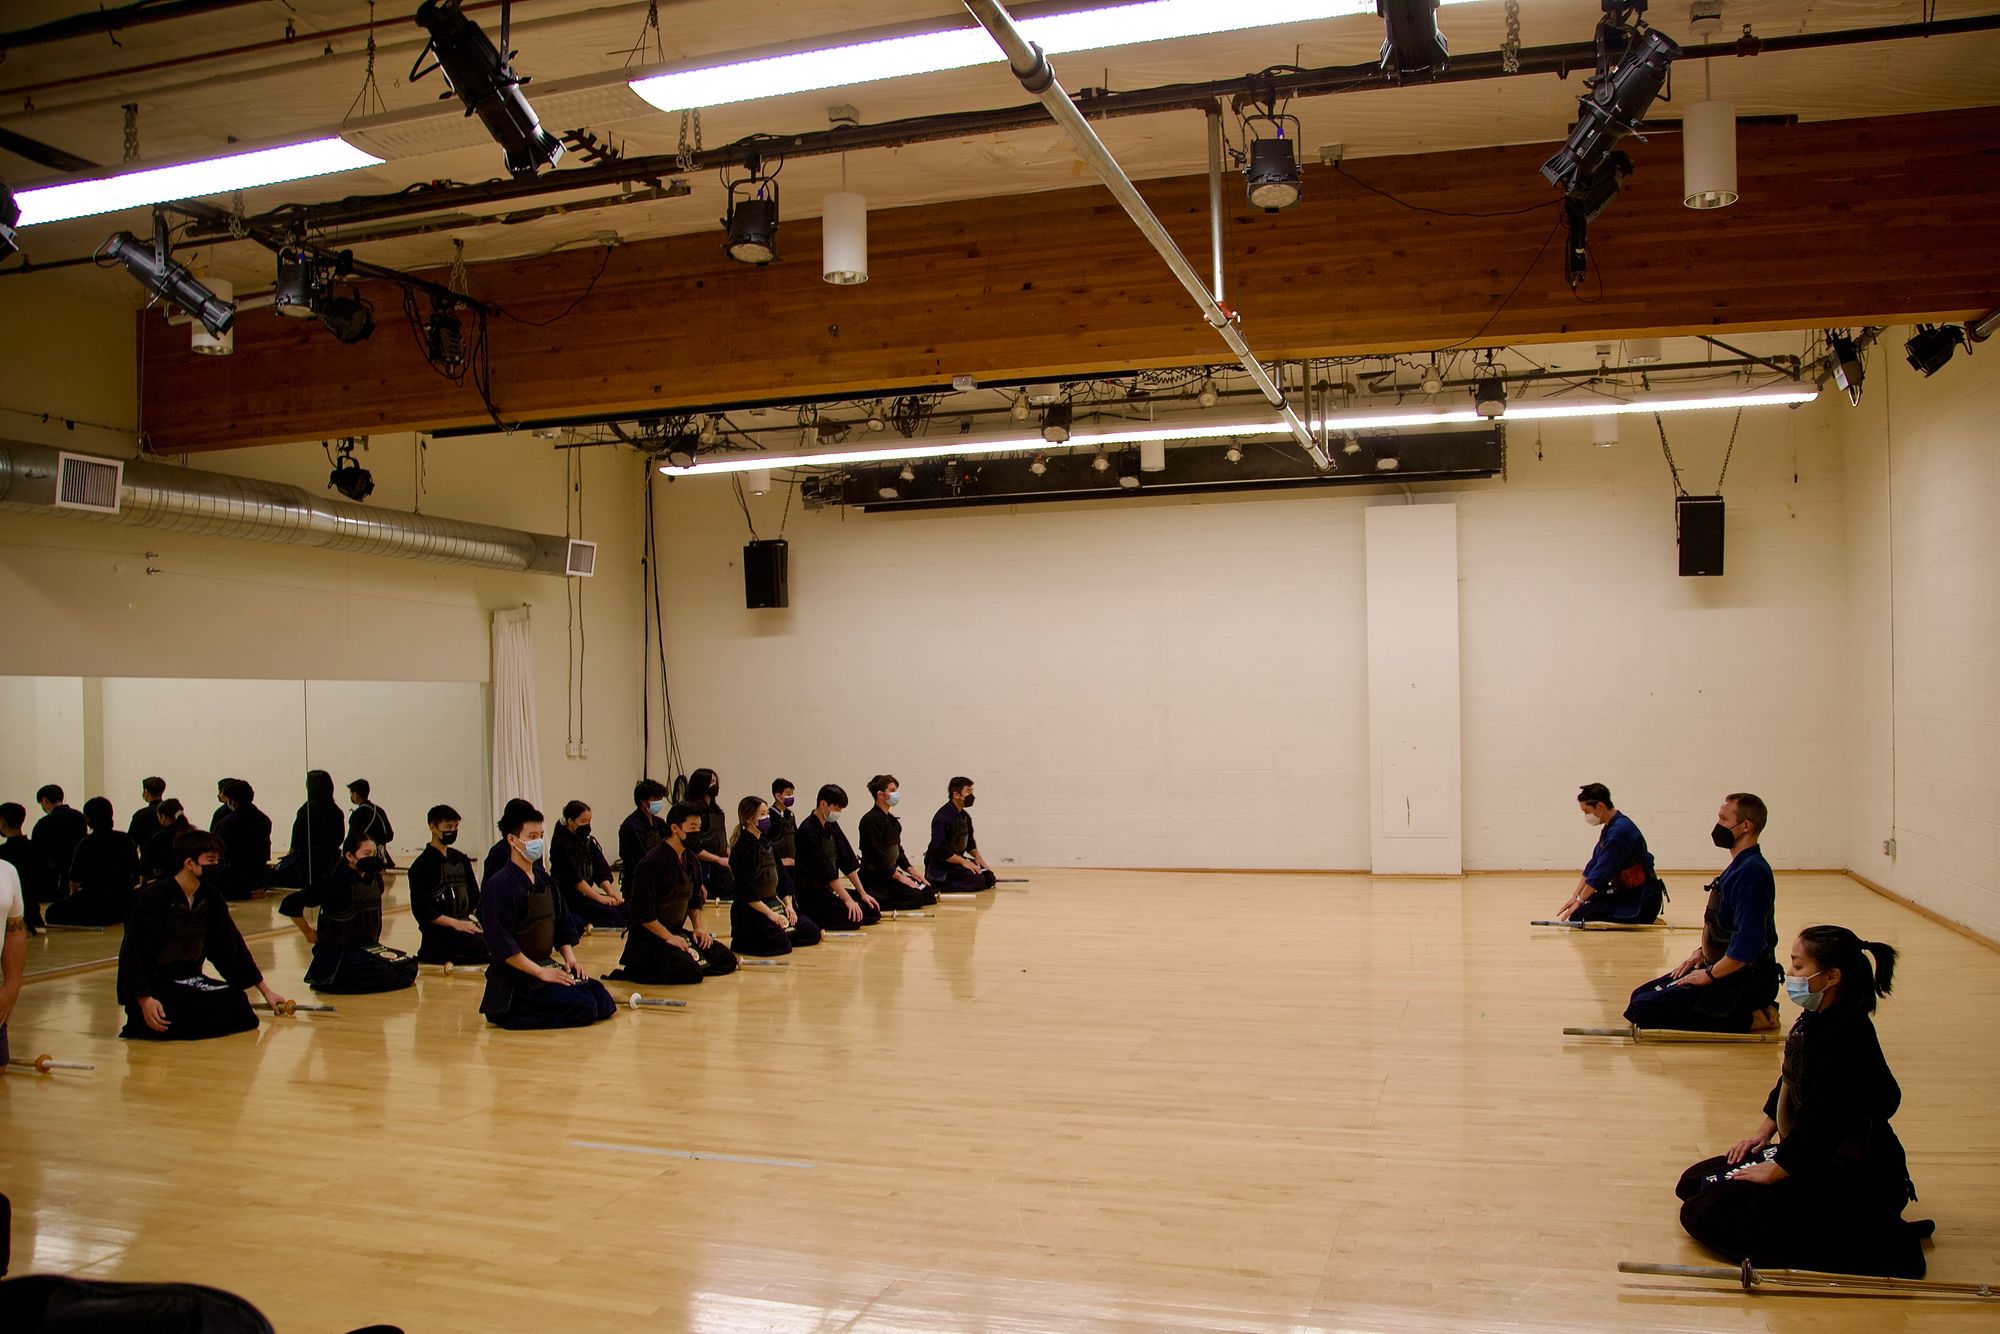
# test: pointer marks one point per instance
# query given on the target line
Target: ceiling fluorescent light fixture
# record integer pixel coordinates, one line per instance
(862, 59)
(190, 180)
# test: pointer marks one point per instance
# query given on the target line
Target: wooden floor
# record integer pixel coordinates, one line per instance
(1098, 1101)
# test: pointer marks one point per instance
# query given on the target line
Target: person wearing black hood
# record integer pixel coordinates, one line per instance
(710, 847)
(246, 842)
(317, 832)
(156, 852)
(142, 824)
(103, 873)
(348, 956)
(370, 819)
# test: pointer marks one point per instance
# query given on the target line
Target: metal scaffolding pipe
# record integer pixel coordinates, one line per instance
(1032, 68)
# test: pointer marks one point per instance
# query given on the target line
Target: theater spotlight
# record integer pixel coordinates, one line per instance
(1207, 396)
(1614, 103)
(1039, 466)
(483, 77)
(1019, 410)
(1273, 180)
(299, 285)
(1101, 463)
(1583, 205)
(1411, 44)
(10, 218)
(1489, 396)
(1844, 359)
(348, 317)
(164, 278)
(751, 222)
(1234, 453)
(1933, 345)
(875, 419)
(908, 474)
(348, 476)
(1056, 422)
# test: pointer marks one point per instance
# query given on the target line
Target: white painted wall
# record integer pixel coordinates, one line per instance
(1180, 682)
(1923, 633)
(1413, 689)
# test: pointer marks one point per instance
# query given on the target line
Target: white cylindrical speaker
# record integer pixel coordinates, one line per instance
(1708, 155)
(1603, 431)
(844, 239)
(214, 345)
(1152, 456)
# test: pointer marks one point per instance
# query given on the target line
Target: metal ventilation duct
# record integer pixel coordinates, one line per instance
(185, 500)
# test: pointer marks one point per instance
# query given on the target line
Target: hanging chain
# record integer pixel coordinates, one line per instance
(687, 153)
(131, 110)
(369, 100)
(457, 281)
(1727, 452)
(650, 28)
(1510, 50)
(1673, 469)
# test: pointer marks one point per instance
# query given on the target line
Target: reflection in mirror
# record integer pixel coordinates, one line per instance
(416, 743)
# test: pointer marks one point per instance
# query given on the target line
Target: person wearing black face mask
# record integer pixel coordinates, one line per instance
(711, 845)
(176, 924)
(783, 838)
(348, 956)
(952, 863)
(577, 863)
(1730, 983)
(444, 896)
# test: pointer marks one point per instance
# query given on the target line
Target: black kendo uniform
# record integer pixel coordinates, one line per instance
(55, 837)
(107, 867)
(157, 852)
(349, 957)
(783, 840)
(1839, 1208)
(664, 889)
(143, 822)
(524, 915)
(641, 832)
(754, 867)
(246, 843)
(442, 885)
(951, 836)
(576, 858)
(371, 820)
(819, 856)
(317, 831)
(882, 856)
(166, 938)
(714, 837)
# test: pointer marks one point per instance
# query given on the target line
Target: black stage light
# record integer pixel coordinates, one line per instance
(299, 285)
(1612, 108)
(752, 221)
(1933, 345)
(1844, 358)
(1411, 43)
(1056, 423)
(348, 317)
(483, 77)
(349, 477)
(10, 218)
(1273, 179)
(164, 278)
(1489, 396)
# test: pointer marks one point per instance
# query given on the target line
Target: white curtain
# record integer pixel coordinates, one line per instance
(516, 751)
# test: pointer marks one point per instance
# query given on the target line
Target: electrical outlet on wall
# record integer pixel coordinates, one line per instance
(1888, 847)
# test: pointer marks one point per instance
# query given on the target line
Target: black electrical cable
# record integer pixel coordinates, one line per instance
(1341, 168)
(570, 309)
(1559, 225)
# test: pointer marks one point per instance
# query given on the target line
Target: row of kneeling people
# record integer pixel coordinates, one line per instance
(786, 881)
(1821, 1181)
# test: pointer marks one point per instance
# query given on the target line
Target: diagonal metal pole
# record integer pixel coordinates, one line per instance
(1032, 68)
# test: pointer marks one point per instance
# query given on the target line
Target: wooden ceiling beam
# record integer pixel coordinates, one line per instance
(1841, 222)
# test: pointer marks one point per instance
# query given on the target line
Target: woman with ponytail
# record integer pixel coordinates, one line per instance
(1822, 1182)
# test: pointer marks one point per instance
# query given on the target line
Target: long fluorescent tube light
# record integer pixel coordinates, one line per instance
(961, 446)
(749, 76)
(199, 179)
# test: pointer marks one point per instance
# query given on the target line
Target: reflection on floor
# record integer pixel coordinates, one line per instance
(1102, 1100)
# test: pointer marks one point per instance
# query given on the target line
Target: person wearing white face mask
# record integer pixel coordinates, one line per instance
(527, 926)
(885, 867)
(1730, 983)
(825, 894)
(1822, 1182)
(643, 830)
(1618, 884)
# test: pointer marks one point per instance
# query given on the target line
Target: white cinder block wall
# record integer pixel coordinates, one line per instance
(1923, 633)
(1182, 683)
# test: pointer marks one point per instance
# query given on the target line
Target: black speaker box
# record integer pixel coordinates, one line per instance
(767, 573)
(1698, 519)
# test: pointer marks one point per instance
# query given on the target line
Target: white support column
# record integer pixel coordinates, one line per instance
(1413, 689)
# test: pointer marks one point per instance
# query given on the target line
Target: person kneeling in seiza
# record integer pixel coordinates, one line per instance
(825, 892)
(1730, 983)
(526, 925)
(952, 863)
(444, 896)
(1619, 884)
(885, 868)
(175, 925)
(761, 922)
(666, 944)
(1822, 1182)
(348, 956)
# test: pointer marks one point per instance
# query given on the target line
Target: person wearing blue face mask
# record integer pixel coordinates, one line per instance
(952, 863)
(1822, 1182)
(885, 868)
(1618, 884)
(643, 830)
(1730, 983)
(762, 921)
(534, 980)
(825, 894)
